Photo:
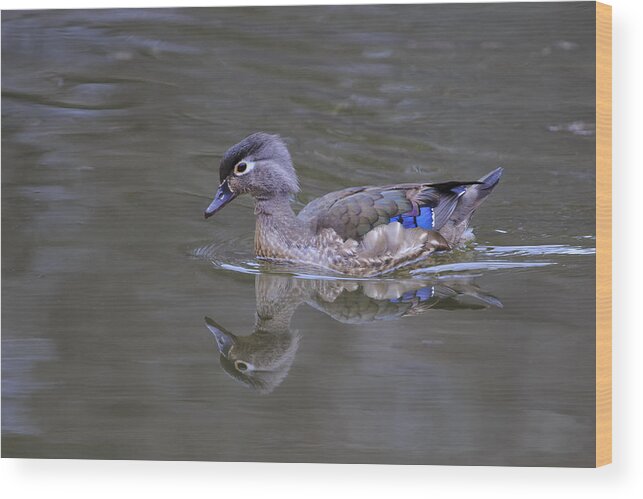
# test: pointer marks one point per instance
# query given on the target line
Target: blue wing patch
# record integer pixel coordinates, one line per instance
(422, 295)
(425, 219)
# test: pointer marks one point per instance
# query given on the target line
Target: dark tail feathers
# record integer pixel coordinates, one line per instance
(454, 229)
(490, 180)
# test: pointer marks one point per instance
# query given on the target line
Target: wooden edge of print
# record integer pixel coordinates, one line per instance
(603, 234)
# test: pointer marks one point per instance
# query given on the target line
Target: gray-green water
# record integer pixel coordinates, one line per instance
(113, 123)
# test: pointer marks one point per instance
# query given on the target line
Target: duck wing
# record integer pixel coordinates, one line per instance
(355, 211)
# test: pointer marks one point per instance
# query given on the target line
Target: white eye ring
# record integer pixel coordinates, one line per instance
(243, 167)
(243, 366)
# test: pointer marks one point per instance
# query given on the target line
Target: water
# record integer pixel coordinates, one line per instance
(113, 123)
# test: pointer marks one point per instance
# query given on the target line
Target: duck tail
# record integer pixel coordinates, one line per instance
(491, 179)
(455, 228)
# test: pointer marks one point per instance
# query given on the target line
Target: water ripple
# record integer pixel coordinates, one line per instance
(545, 249)
(481, 265)
(225, 255)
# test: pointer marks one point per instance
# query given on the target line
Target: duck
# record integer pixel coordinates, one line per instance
(361, 231)
(261, 360)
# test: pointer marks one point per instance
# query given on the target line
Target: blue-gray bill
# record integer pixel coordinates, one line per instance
(223, 196)
(225, 339)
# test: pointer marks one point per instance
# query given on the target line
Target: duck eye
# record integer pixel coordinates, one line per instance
(243, 167)
(241, 366)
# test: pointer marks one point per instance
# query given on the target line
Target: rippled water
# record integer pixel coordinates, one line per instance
(113, 123)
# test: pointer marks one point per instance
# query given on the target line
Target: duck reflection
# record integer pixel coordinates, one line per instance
(262, 360)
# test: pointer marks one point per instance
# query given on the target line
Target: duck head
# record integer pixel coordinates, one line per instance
(261, 360)
(259, 165)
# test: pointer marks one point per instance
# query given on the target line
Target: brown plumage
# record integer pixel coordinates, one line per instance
(359, 230)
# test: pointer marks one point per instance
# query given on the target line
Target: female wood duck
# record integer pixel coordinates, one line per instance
(261, 360)
(363, 231)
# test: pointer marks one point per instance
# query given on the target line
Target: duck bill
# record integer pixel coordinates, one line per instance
(223, 196)
(225, 339)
